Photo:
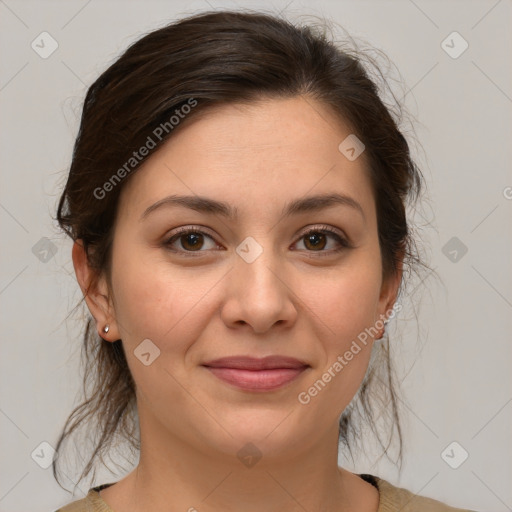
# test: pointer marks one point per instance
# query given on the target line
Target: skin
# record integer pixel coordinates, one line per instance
(289, 301)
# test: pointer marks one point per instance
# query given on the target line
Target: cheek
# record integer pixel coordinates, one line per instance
(345, 311)
(345, 304)
(158, 301)
(155, 302)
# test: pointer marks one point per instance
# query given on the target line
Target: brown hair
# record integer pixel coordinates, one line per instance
(215, 58)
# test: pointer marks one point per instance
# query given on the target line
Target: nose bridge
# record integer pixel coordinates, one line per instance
(257, 294)
(257, 262)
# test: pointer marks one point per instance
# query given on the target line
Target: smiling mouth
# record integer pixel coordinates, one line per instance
(257, 380)
(254, 374)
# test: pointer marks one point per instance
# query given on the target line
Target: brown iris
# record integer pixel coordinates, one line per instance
(196, 243)
(313, 238)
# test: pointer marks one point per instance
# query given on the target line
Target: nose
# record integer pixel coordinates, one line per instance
(257, 292)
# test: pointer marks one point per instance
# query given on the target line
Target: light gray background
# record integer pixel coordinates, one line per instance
(456, 379)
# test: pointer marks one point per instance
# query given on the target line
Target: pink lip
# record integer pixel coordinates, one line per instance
(254, 374)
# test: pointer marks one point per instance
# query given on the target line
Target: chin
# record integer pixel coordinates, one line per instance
(264, 433)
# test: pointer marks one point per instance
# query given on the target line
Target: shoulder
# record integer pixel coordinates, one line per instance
(91, 503)
(391, 499)
(396, 498)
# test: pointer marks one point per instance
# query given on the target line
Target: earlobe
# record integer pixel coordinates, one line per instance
(96, 293)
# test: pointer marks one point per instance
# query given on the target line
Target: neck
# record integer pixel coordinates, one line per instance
(177, 476)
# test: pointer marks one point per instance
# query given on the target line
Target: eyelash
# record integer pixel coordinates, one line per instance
(344, 243)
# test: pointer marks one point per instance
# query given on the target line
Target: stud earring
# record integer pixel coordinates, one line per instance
(384, 331)
(106, 329)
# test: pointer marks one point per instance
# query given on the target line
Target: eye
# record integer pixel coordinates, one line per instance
(316, 238)
(193, 240)
(190, 239)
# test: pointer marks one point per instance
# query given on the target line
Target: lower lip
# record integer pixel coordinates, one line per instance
(257, 380)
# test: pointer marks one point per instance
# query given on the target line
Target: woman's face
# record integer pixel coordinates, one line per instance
(248, 285)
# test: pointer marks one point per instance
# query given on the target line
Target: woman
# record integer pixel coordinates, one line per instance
(237, 204)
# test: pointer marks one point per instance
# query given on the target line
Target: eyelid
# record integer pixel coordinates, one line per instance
(183, 230)
(323, 227)
(194, 228)
(344, 241)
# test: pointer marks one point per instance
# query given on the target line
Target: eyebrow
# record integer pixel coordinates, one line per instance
(213, 207)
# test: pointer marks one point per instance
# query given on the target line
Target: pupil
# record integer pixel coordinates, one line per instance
(317, 243)
(195, 239)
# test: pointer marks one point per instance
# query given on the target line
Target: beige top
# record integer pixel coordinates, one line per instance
(392, 499)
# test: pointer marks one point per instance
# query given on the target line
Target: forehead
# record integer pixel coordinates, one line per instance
(246, 154)
(266, 126)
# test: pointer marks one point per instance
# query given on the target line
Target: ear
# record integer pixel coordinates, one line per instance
(96, 293)
(389, 289)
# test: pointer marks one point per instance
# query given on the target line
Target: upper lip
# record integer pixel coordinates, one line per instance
(254, 363)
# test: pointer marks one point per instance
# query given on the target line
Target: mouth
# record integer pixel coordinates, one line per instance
(253, 374)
